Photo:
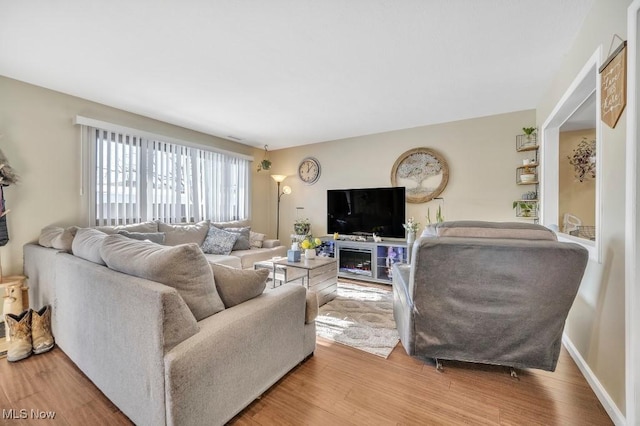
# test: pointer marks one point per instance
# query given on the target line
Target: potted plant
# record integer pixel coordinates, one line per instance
(530, 133)
(583, 160)
(309, 245)
(265, 164)
(302, 226)
(525, 208)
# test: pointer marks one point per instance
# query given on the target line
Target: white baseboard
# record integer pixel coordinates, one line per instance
(612, 409)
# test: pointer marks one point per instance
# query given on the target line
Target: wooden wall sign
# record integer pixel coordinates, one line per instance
(613, 86)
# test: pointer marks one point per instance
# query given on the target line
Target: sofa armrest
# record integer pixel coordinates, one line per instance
(237, 355)
(401, 282)
(311, 310)
(271, 243)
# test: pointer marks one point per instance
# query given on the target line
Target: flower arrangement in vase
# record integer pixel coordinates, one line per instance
(309, 245)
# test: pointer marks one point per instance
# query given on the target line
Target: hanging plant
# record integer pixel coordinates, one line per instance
(265, 164)
(583, 160)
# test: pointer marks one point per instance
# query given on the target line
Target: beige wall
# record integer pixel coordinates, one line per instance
(480, 153)
(575, 197)
(43, 146)
(596, 321)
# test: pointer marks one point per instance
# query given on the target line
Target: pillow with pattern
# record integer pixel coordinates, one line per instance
(218, 241)
(256, 239)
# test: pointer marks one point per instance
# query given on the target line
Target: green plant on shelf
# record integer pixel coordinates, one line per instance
(530, 133)
(527, 208)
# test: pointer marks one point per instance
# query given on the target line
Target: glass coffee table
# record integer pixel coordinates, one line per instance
(319, 274)
(279, 274)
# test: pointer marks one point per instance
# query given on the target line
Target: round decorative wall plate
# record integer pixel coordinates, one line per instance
(309, 170)
(423, 172)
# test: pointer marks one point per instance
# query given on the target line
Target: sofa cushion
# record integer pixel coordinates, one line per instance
(183, 267)
(236, 285)
(233, 224)
(256, 239)
(86, 245)
(154, 237)
(242, 243)
(509, 230)
(184, 233)
(219, 241)
(149, 226)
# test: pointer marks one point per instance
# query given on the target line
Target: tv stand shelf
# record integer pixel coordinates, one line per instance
(369, 261)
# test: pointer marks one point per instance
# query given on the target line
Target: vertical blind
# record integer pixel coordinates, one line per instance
(139, 179)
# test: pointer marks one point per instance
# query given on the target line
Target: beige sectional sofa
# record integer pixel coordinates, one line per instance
(163, 335)
(197, 232)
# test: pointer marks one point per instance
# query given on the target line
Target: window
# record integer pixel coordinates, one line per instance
(139, 178)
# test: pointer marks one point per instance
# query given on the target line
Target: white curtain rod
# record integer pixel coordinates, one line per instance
(85, 121)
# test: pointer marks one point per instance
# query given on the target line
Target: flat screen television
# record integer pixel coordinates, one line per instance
(365, 211)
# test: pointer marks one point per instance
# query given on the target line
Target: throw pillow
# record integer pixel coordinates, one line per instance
(64, 240)
(154, 237)
(242, 243)
(183, 233)
(256, 239)
(238, 285)
(87, 243)
(183, 267)
(48, 234)
(219, 241)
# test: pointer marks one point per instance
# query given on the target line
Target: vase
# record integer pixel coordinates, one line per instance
(302, 228)
(310, 253)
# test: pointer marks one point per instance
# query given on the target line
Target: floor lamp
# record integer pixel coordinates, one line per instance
(285, 191)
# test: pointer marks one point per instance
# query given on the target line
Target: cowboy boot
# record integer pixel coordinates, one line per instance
(41, 330)
(20, 333)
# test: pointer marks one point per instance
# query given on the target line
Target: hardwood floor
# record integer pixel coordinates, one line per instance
(338, 386)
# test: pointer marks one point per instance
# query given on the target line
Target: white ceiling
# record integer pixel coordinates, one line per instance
(293, 72)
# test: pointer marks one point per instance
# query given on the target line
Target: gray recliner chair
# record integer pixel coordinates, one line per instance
(487, 292)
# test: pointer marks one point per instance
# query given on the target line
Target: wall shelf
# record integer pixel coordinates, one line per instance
(528, 143)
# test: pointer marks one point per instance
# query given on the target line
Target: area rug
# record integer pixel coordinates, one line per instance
(360, 317)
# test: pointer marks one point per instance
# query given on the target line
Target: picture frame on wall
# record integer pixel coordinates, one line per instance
(423, 172)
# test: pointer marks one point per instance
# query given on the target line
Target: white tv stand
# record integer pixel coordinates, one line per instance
(369, 261)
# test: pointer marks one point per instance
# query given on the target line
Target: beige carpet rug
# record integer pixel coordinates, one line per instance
(360, 317)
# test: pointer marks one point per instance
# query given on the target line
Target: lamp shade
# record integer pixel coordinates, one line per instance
(286, 190)
(278, 178)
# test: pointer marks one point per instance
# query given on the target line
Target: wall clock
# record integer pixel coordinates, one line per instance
(423, 172)
(309, 170)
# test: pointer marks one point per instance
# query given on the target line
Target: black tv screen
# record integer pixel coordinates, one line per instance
(366, 211)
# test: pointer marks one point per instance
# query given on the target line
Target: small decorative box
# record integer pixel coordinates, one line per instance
(293, 255)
